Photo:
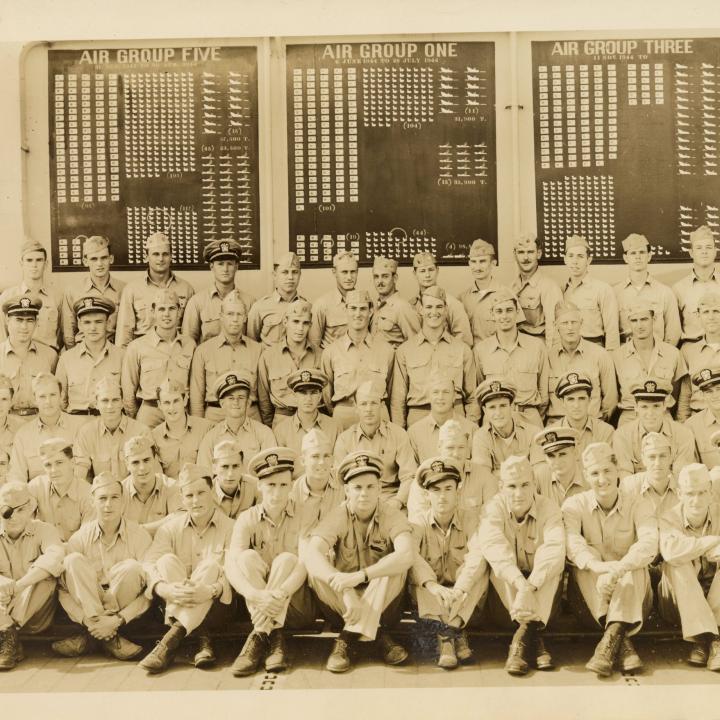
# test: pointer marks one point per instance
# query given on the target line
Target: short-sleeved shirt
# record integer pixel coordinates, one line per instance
(201, 319)
(290, 433)
(243, 498)
(425, 433)
(538, 295)
(490, 449)
(329, 319)
(265, 319)
(354, 549)
(174, 452)
(638, 485)
(163, 500)
(66, 511)
(48, 328)
(598, 307)
(38, 547)
(255, 530)
(394, 319)
(702, 425)
(688, 291)
(311, 507)
(21, 370)
(251, 435)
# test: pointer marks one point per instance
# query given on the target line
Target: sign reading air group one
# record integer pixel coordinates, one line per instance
(626, 140)
(149, 139)
(391, 149)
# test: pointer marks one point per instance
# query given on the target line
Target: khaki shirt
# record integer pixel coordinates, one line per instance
(490, 449)
(275, 365)
(135, 316)
(594, 431)
(252, 437)
(289, 433)
(598, 307)
(688, 291)
(702, 425)
(627, 533)
(329, 319)
(79, 372)
(163, 500)
(698, 356)
(425, 433)
(38, 547)
(354, 549)
(66, 511)
(265, 319)
(201, 319)
(148, 361)
(112, 291)
(101, 450)
(549, 485)
(394, 319)
(666, 325)
(538, 295)
(477, 307)
(215, 357)
(22, 369)
(254, 530)
(174, 452)
(312, 507)
(48, 329)
(8, 430)
(417, 359)
(458, 324)
(349, 365)
(638, 485)
(244, 497)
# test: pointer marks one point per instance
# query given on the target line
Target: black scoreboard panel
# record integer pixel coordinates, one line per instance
(626, 140)
(148, 139)
(391, 149)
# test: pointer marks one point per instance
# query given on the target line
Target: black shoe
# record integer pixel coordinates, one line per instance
(628, 659)
(276, 660)
(162, 655)
(248, 661)
(517, 662)
(606, 652)
(339, 659)
(204, 655)
(699, 653)
(393, 652)
(543, 658)
(10, 653)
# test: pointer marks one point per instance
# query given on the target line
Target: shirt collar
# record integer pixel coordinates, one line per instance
(346, 341)
(121, 426)
(133, 490)
(275, 295)
(646, 487)
(25, 288)
(60, 423)
(288, 511)
(382, 430)
(121, 533)
(618, 507)
(72, 490)
(89, 285)
(455, 521)
(214, 518)
(170, 281)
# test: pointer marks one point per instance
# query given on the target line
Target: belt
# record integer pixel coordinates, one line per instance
(151, 403)
(597, 339)
(213, 403)
(89, 411)
(23, 412)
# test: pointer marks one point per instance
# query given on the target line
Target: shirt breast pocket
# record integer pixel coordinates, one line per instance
(336, 317)
(622, 539)
(418, 369)
(663, 369)
(530, 299)
(151, 369)
(278, 380)
(272, 326)
(385, 322)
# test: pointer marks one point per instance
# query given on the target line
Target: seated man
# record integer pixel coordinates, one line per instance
(31, 558)
(234, 491)
(62, 498)
(561, 476)
(100, 442)
(307, 386)
(316, 492)
(185, 569)
(262, 565)
(372, 546)
(442, 602)
(148, 497)
(103, 587)
(705, 423)
(611, 540)
(651, 399)
(521, 536)
(690, 546)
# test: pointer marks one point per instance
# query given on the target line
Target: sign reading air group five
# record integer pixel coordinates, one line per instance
(148, 139)
(626, 140)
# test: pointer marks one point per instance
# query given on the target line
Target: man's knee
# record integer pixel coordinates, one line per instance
(168, 565)
(285, 561)
(74, 560)
(129, 571)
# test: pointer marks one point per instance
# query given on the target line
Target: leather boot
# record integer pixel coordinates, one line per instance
(163, 653)
(73, 646)
(447, 659)
(121, 648)
(628, 658)
(204, 655)
(393, 652)
(543, 658)
(713, 662)
(276, 659)
(462, 647)
(699, 653)
(248, 661)
(517, 660)
(9, 648)
(606, 651)
(339, 659)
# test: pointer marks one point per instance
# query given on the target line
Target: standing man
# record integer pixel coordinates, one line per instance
(201, 319)
(639, 285)
(265, 318)
(702, 279)
(611, 541)
(161, 353)
(329, 311)
(9, 424)
(234, 490)
(537, 294)
(48, 327)
(509, 353)
(573, 352)
(426, 271)
(706, 423)
(394, 319)
(562, 477)
(354, 358)
(595, 298)
(362, 590)
(98, 283)
(386, 440)
(291, 352)
(92, 358)
(433, 350)
(135, 314)
(185, 570)
(31, 560)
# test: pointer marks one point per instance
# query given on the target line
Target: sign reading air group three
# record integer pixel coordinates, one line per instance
(626, 140)
(148, 139)
(391, 149)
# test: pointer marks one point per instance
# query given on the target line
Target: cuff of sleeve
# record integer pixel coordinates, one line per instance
(511, 574)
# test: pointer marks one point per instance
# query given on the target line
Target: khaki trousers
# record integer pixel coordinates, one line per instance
(430, 608)
(32, 609)
(545, 595)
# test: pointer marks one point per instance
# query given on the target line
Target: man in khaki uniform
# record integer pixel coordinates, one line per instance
(537, 294)
(228, 350)
(235, 491)
(201, 319)
(184, 566)
(92, 358)
(363, 588)
(31, 560)
(307, 386)
(135, 314)
(103, 586)
(640, 286)
(689, 591)
(160, 353)
(705, 423)
(521, 537)
(611, 541)
(562, 475)
(425, 269)
(265, 318)
(431, 351)
(98, 283)
(443, 606)
(262, 565)
(329, 311)
(394, 318)
(356, 357)
(9, 423)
